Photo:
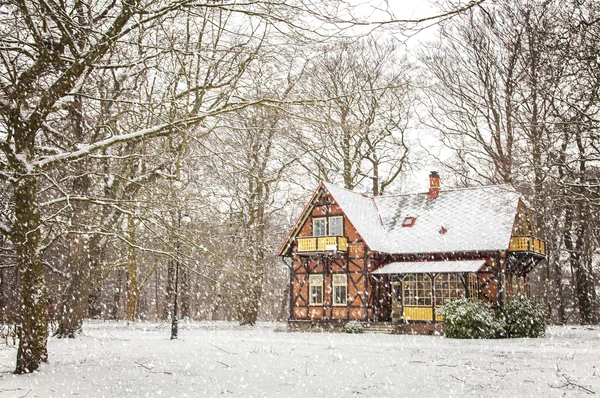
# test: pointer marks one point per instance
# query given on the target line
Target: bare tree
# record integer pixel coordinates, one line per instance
(359, 132)
(251, 159)
(509, 100)
(49, 52)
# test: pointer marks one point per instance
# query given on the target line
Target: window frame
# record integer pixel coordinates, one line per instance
(314, 223)
(449, 286)
(316, 281)
(408, 221)
(340, 283)
(416, 290)
(473, 284)
(341, 218)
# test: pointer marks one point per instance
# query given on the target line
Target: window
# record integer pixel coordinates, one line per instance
(315, 285)
(417, 290)
(473, 289)
(451, 286)
(319, 226)
(409, 221)
(396, 292)
(336, 226)
(340, 289)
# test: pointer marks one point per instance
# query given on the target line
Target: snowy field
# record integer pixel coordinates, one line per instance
(221, 359)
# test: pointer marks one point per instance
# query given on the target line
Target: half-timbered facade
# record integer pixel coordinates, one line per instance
(401, 257)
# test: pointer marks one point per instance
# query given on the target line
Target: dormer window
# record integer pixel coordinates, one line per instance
(336, 226)
(328, 226)
(409, 221)
(319, 226)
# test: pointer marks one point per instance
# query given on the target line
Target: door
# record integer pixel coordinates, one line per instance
(396, 301)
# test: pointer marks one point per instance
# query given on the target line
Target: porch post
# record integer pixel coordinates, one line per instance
(464, 277)
(499, 279)
(432, 277)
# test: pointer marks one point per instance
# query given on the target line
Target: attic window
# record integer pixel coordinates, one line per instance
(409, 221)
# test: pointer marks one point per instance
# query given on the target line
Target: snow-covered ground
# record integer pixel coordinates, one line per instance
(222, 359)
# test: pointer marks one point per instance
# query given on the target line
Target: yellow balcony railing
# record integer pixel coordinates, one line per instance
(527, 243)
(322, 244)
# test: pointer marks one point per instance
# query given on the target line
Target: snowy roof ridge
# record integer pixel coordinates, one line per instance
(362, 212)
(510, 187)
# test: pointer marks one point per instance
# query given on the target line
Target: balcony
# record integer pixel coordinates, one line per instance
(527, 244)
(316, 244)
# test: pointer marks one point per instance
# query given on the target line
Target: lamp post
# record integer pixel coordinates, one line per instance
(174, 322)
(174, 327)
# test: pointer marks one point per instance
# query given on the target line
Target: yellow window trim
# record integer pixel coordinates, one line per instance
(315, 284)
(343, 282)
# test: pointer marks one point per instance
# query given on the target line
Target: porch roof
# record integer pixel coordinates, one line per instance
(430, 267)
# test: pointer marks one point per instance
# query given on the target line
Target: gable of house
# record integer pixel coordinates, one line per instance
(324, 212)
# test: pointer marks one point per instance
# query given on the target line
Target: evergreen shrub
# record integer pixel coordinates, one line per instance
(353, 327)
(470, 319)
(525, 317)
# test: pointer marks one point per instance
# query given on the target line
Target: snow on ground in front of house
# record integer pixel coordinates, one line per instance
(210, 359)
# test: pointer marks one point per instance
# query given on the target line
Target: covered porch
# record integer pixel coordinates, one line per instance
(417, 290)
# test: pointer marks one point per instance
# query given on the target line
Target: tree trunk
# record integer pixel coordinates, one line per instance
(251, 292)
(115, 312)
(169, 291)
(251, 287)
(33, 331)
(75, 303)
(582, 278)
(185, 286)
(284, 310)
(215, 304)
(132, 286)
(347, 164)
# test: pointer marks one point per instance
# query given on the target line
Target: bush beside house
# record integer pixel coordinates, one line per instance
(472, 319)
(469, 319)
(525, 317)
(353, 327)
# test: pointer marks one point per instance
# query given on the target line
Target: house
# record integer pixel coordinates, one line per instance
(398, 258)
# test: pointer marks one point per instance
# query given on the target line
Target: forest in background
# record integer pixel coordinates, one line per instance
(139, 139)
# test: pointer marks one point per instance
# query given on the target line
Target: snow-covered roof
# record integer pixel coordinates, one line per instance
(362, 213)
(421, 267)
(460, 220)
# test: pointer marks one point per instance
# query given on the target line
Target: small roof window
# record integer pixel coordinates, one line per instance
(409, 221)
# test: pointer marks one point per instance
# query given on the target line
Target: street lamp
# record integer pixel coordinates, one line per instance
(186, 220)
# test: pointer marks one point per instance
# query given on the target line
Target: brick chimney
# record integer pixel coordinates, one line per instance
(434, 185)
